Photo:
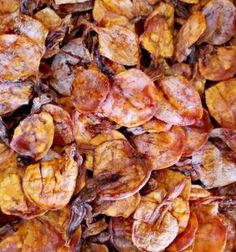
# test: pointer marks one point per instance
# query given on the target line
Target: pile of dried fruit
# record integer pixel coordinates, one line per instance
(118, 125)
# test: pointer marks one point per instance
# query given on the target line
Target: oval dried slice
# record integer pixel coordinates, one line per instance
(188, 35)
(19, 57)
(221, 102)
(119, 171)
(63, 134)
(132, 100)
(220, 65)
(215, 168)
(119, 44)
(180, 103)
(197, 134)
(162, 149)
(120, 230)
(186, 238)
(19, 94)
(157, 38)
(50, 185)
(220, 19)
(34, 136)
(90, 89)
(152, 237)
(118, 208)
(12, 197)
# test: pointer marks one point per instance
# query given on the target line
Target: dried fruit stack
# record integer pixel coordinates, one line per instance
(118, 125)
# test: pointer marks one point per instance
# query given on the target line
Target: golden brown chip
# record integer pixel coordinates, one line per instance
(19, 57)
(180, 103)
(90, 89)
(119, 44)
(50, 185)
(118, 208)
(162, 149)
(63, 127)
(19, 94)
(220, 65)
(34, 136)
(132, 100)
(214, 167)
(120, 170)
(7, 7)
(221, 102)
(189, 34)
(197, 134)
(94, 247)
(221, 21)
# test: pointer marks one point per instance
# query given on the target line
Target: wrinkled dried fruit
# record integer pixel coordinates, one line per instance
(221, 102)
(132, 100)
(179, 103)
(162, 149)
(90, 89)
(34, 136)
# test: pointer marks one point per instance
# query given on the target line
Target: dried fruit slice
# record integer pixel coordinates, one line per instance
(119, 44)
(90, 89)
(189, 34)
(118, 208)
(132, 100)
(63, 134)
(19, 94)
(50, 185)
(162, 149)
(197, 134)
(180, 103)
(19, 57)
(215, 168)
(119, 171)
(120, 230)
(221, 102)
(220, 65)
(34, 136)
(220, 18)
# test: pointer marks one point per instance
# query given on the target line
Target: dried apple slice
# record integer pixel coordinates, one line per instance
(63, 127)
(197, 134)
(34, 136)
(214, 167)
(220, 65)
(180, 103)
(50, 185)
(189, 33)
(118, 169)
(89, 90)
(119, 44)
(220, 19)
(221, 100)
(118, 208)
(19, 57)
(132, 100)
(162, 149)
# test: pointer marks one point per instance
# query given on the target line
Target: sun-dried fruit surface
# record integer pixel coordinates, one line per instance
(34, 136)
(117, 125)
(133, 99)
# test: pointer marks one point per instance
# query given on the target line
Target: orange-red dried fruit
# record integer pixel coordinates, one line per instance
(132, 100)
(34, 136)
(179, 103)
(162, 149)
(90, 89)
(221, 102)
